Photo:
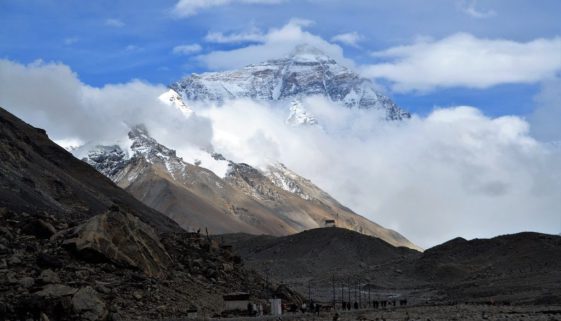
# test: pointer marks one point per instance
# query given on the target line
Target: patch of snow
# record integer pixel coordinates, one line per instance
(205, 159)
(299, 116)
(172, 98)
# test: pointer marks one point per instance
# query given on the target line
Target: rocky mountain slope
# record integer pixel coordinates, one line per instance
(74, 246)
(306, 72)
(275, 201)
(38, 176)
(519, 268)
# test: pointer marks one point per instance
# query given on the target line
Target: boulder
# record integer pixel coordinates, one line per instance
(14, 259)
(11, 277)
(121, 238)
(39, 228)
(48, 277)
(5, 232)
(137, 295)
(227, 267)
(45, 260)
(56, 291)
(88, 306)
(26, 282)
(102, 287)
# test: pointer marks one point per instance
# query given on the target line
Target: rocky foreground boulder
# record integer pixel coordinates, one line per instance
(120, 238)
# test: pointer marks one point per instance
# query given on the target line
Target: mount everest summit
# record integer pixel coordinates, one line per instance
(206, 190)
(306, 72)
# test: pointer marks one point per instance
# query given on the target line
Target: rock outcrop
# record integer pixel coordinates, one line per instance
(120, 238)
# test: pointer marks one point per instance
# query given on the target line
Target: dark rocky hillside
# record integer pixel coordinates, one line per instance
(322, 251)
(518, 268)
(73, 246)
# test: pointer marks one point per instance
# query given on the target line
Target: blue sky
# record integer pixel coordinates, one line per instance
(116, 41)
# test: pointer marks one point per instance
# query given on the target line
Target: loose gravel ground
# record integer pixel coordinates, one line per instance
(432, 313)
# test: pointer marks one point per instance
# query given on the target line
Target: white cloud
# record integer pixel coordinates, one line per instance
(546, 118)
(187, 49)
(277, 42)
(350, 38)
(463, 60)
(253, 35)
(72, 112)
(115, 23)
(453, 173)
(132, 48)
(186, 8)
(469, 7)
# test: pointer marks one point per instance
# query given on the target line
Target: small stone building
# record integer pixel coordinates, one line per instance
(236, 301)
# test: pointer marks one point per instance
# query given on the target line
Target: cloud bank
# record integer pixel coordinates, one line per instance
(50, 96)
(455, 172)
(275, 43)
(187, 49)
(252, 35)
(546, 118)
(462, 60)
(350, 38)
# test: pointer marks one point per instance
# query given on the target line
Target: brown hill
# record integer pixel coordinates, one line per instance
(197, 201)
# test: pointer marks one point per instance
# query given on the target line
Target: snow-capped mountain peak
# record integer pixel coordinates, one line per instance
(299, 116)
(109, 160)
(306, 72)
